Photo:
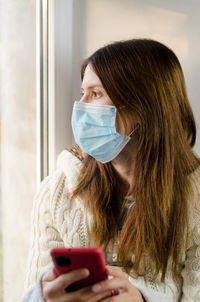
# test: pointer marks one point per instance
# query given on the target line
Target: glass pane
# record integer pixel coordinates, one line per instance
(18, 140)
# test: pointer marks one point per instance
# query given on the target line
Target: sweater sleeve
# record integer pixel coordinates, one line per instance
(34, 294)
(44, 231)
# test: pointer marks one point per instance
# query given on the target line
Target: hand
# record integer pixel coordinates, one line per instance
(53, 288)
(122, 289)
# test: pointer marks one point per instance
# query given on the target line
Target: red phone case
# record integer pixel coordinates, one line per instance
(69, 259)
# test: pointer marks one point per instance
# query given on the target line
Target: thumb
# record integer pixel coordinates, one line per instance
(50, 275)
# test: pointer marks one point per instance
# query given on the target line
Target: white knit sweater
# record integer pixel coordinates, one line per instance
(55, 225)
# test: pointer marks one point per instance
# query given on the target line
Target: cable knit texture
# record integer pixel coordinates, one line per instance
(54, 224)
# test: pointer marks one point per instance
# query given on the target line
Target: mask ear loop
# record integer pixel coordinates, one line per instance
(130, 135)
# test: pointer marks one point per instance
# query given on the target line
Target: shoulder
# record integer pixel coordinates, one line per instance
(67, 157)
(54, 191)
(64, 179)
(69, 164)
(65, 175)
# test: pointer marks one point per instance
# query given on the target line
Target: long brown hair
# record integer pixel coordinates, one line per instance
(144, 80)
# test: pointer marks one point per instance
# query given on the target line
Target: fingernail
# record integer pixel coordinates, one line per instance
(84, 273)
(96, 287)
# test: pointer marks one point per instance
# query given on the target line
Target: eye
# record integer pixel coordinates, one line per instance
(96, 94)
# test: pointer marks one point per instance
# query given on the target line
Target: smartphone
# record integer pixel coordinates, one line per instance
(68, 259)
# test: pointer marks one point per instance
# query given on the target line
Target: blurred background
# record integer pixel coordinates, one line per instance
(42, 45)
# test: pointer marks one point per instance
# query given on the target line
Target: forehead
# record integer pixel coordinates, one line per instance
(90, 78)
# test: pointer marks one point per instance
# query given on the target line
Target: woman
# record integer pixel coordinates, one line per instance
(131, 185)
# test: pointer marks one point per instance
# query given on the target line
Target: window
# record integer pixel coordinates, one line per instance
(17, 140)
(42, 47)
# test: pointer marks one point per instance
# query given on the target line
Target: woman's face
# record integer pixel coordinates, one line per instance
(92, 91)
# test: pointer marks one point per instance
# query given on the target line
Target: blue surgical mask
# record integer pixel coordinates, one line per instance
(94, 131)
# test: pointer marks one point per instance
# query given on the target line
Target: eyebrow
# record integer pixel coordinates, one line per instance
(92, 86)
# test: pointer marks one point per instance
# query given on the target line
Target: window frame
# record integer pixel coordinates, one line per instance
(58, 58)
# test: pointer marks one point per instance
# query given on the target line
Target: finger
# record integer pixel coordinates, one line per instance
(49, 275)
(121, 298)
(57, 286)
(111, 284)
(86, 294)
(114, 271)
(100, 297)
(67, 279)
(121, 287)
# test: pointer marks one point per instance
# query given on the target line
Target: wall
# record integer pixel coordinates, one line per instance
(175, 23)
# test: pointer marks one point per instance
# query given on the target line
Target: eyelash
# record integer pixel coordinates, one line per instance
(94, 93)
